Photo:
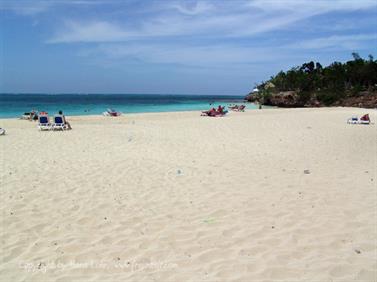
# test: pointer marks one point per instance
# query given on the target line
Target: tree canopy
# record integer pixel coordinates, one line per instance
(326, 84)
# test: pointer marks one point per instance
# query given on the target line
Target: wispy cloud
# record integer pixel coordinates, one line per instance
(345, 42)
(247, 40)
(211, 33)
(89, 32)
(26, 8)
(194, 8)
(35, 7)
(208, 56)
(318, 6)
(219, 19)
(225, 55)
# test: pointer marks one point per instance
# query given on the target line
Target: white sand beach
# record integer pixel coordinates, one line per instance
(265, 195)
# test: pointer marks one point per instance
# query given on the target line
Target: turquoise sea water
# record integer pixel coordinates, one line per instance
(13, 105)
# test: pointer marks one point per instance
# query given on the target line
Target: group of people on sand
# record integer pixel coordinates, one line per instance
(34, 114)
(220, 111)
(237, 108)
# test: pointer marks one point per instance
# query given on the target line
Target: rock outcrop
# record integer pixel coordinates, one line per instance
(286, 99)
(290, 99)
(252, 98)
(363, 100)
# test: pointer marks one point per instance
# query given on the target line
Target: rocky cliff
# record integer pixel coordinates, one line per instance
(290, 99)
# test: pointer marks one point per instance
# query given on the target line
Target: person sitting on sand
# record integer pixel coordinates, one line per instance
(220, 109)
(33, 115)
(212, 112)
(65, 120)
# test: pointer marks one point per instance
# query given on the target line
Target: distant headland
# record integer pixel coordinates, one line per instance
(351, 84)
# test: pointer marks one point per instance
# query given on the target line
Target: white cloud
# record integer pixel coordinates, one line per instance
(347, 42)
(151, 34)
(209, 56)
(89, 32)
(223, 55)
(226, 25)
(193, 8)
(215, 19)
(35, 7)
(26, 8)
(317, 6)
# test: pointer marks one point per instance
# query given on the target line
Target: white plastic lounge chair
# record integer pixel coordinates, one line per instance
(353, 120)
(2, 131)
(26, 116)
(59, 123)
(363, 120)
(111, 113)
(44, 123)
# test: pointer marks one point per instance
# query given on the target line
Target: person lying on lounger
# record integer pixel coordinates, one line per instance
(215, 113)
(210, 112)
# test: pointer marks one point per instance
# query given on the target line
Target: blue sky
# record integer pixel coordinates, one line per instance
(171, 47)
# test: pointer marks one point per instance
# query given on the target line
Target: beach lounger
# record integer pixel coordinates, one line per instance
(44, 122)
(111, 113)
(2, 131)
(59, 123)
(26, 116)
(363, 120)
(241, 108)
(237, 108)
(353, 120)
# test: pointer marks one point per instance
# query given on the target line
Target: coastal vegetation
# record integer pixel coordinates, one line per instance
(353, 83)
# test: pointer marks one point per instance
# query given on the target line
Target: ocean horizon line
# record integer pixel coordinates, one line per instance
(129, 94)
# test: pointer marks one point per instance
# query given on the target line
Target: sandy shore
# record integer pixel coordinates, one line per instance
(265, 195)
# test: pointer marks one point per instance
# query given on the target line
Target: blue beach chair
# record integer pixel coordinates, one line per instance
(59, 123)
(44, 122)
